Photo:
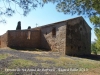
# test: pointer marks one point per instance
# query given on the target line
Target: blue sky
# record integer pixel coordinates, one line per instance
(41, 16)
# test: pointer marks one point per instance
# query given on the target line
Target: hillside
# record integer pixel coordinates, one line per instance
(13, 62)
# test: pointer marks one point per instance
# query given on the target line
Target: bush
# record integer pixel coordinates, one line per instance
(94, 48)
(18, 26)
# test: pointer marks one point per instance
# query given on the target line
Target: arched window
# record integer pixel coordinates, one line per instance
(54, 32)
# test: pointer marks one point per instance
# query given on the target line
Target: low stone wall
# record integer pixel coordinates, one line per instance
(24, 39)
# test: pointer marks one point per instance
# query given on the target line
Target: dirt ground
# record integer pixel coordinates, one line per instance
(32, 55)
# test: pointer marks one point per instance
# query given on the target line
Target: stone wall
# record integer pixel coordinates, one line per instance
(4, 40)
(53, 37)
(24, 39)
(88, 29)
(72, 37)
(78, 37)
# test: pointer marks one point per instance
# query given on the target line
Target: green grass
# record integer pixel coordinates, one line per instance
(87, 66)
(67, 62)
(2, 73)
(4, 56)
(21, 63)
(18, 63)
(45, 65)
(86, 63)
(61, 62)
(99, 52)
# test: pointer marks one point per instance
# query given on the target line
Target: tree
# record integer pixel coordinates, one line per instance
(90, 8)
(18, 26)
(94, 48)
(97, 33)
(9, 7)
(29, 27)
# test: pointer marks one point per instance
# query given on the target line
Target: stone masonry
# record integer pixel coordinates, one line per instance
(72, 37)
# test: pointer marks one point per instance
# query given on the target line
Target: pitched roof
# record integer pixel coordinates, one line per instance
(51, 24)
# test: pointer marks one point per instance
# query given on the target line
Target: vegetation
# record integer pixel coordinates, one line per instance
(29, 27)
(18, 63)
(18, 26)
(66, 62)
(95, 46)
(90, 8)
(97, 33)
(83, 65)
(4, 56)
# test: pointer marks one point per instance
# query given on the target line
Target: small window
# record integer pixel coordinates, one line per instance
(54, 32)
(29, 34)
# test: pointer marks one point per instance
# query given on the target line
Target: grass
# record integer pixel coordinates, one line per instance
(46, 59)
(90, 64)
(67, 62)
(86, 66)
(21, 63)
(4, 56)
(2, 73)
(98, 52)
(45, 65)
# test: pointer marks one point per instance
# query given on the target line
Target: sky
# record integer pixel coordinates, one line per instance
(40, 16)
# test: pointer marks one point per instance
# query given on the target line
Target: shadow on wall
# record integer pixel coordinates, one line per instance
(22, 40)
(51, 37)
(21, 48)
(44, 44)
(28, 49)
(29, 45)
